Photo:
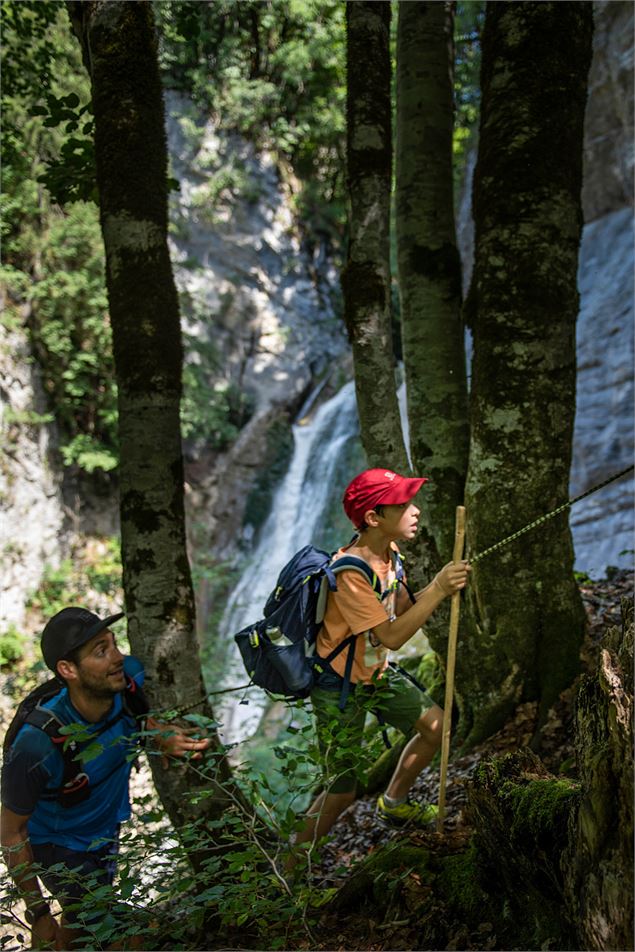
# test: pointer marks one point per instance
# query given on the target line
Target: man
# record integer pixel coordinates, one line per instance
(42, 822)
(380, 505)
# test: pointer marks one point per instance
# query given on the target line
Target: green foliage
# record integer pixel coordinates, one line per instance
(53, 258)
(469, 21)
(213, 410)
(241, 893)
(273, 71)
(91, 578)
(12, 645)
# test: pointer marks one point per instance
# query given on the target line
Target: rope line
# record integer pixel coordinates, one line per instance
(549, 515)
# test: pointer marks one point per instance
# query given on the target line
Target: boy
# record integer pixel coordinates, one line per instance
(379, 504)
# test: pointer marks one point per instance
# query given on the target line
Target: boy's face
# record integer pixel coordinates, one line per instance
(399, 521)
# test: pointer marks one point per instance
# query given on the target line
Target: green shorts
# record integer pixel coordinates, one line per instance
(339, 733)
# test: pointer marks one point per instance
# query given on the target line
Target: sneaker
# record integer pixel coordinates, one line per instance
(406, 814)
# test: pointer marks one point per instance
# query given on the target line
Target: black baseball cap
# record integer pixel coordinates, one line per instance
(69, 629)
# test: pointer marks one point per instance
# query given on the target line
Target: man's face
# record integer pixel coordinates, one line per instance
(400, 521)
(99, 669)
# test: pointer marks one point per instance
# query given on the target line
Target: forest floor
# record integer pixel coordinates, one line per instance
(358, 833)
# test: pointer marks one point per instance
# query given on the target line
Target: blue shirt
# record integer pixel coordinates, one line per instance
(34, 766)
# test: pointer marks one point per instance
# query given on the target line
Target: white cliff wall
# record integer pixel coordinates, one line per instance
(31, 505)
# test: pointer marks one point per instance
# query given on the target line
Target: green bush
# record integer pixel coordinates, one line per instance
(12, 644)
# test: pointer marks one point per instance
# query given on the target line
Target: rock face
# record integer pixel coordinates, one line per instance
(31, 506)
(246, 283)
(602, 525)
(609, 147)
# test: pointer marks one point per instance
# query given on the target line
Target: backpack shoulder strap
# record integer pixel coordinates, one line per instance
(47, 721)
(346, 563)
(134, 701)
(397, 562)
(73, 777)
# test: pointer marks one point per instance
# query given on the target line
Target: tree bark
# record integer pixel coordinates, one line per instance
(562, 850)
(521, 814)
(366, 281)
(526, 618)
(599, 862)
(119, 47)
(430, 268)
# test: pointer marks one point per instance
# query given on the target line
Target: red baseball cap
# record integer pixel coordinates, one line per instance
(378, 487)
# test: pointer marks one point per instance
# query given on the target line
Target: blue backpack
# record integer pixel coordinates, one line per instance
(279, 650)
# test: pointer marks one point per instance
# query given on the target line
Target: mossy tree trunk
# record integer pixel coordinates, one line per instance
(366, 280)
(430, 268)
(526, 618)
(521, 814)
(563, 850)
(599, 862)
(119, 46)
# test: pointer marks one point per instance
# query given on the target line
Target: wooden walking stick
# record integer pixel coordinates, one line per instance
(457, 555)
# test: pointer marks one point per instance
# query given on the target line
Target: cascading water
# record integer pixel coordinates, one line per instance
(297, 513)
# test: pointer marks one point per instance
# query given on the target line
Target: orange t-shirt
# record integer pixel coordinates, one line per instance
(355, 609)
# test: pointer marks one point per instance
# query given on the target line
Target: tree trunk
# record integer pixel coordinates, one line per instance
(526, 617)
(430, 268)
(562, 851)
(119, 45)
(366, 279)
(599, 864)
(521, 814)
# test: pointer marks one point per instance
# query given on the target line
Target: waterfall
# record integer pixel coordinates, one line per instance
(298, 509)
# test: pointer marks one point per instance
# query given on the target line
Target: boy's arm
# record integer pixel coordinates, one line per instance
(452, 578)
(18, 857)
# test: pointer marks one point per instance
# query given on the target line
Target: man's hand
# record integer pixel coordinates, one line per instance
(46, 933)
(453, 577)
(176, 741)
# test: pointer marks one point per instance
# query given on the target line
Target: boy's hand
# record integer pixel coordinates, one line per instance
(453, 577)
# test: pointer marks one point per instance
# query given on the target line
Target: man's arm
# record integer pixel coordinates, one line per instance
(452, 578)
(18, 857)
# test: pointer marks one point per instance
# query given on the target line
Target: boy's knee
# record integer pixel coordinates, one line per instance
(430, 726)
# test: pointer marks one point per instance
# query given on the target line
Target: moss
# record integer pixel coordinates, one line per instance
(459, 880)
(541, 810)
(522, 917)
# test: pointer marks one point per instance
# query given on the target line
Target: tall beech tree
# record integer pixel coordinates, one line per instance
(526, 618)
(366, 280)
(430, 268)
(119, 47)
